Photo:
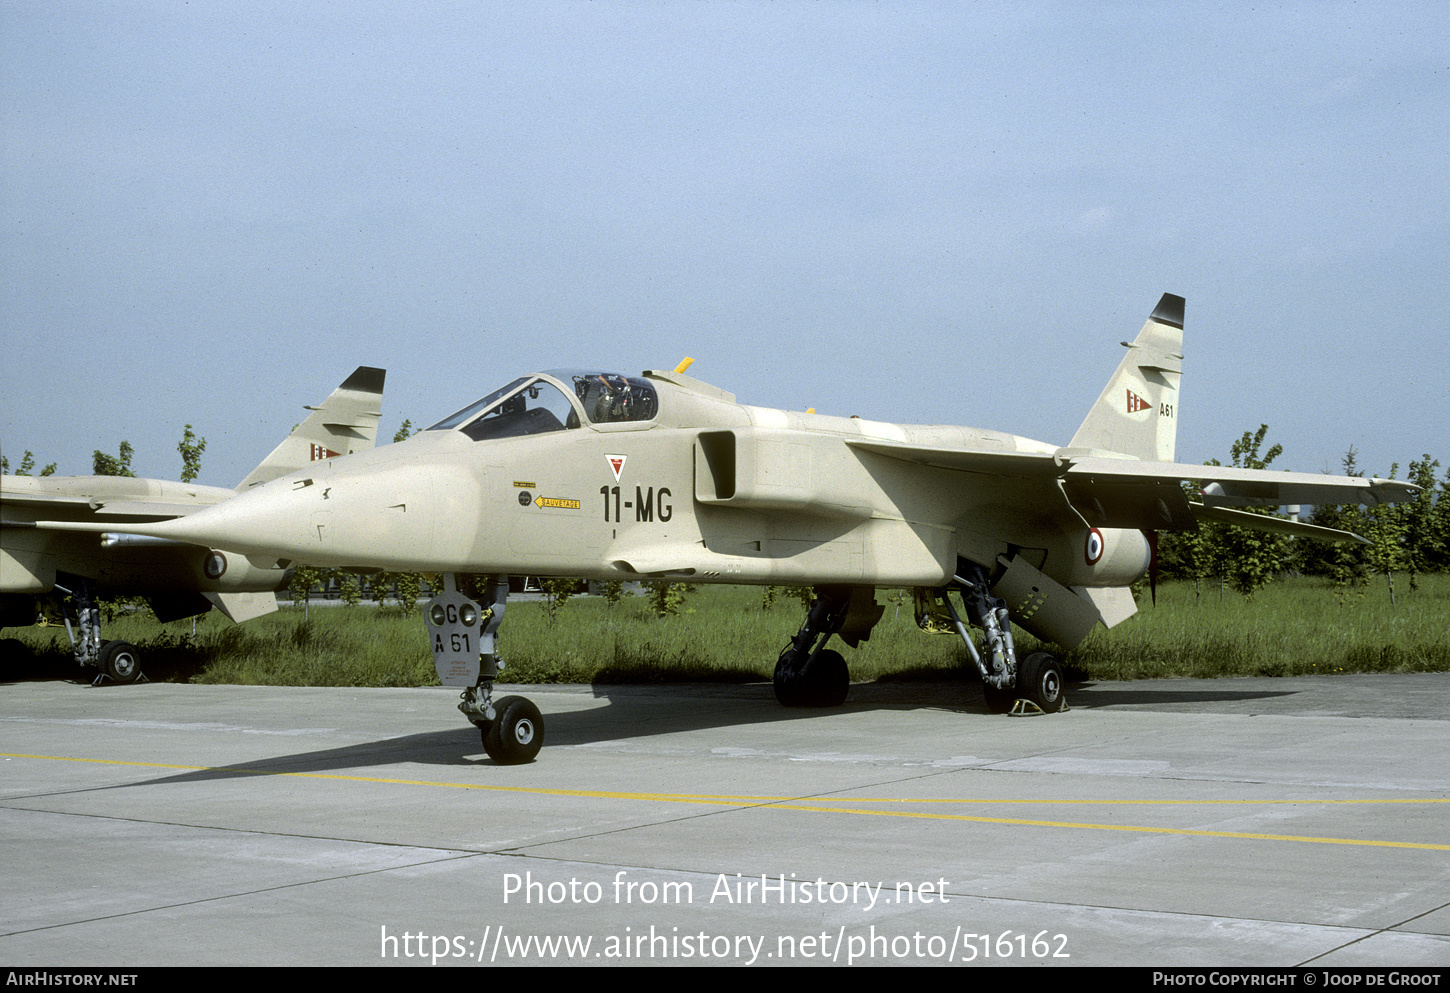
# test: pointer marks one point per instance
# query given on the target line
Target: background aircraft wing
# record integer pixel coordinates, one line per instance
(104, 496)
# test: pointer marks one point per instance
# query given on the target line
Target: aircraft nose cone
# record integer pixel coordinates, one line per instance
(399, 517)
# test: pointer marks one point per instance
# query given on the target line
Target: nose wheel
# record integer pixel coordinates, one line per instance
(463, 633)
(516, 734)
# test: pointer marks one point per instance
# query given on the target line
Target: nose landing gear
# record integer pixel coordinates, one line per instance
(463, 634)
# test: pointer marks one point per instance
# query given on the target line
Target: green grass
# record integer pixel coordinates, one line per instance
(1295, 627)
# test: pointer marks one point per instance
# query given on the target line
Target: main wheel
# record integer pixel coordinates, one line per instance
(517, 731)
(1039, 679)
(119, 660)
(827, 680)
(788, 683)
(998, 701)
(824, 682)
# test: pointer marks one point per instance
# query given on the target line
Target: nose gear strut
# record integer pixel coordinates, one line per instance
(464, 634)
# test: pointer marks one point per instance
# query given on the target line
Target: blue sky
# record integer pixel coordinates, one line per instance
(935, 213)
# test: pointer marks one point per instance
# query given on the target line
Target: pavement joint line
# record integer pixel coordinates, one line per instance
(799, 804)
(1387, 929)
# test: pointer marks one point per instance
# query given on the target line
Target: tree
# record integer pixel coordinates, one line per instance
(409, 587)
(1244, 559)
(349, 589)
(1251, 559)
(1343, 562)
(27, 462)
(556, 591)
(404, 432)
(190, 448)
(1418, 515)
(299, 587)
(113, 465)
(613, 591)
(1435, 547)
(666, 598)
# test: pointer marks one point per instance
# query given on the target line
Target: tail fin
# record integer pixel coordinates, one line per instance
(346, 422)
(1137, 413)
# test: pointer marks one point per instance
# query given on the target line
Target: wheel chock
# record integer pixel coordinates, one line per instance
(1026, 708)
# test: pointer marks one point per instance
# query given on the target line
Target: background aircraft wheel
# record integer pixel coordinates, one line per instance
(998, 701)
(516, 734)
(1039, 679)
(119, 660)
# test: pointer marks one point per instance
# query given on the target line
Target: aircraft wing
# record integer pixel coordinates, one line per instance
(1128, 493)
(1226, 486)
(996, 463)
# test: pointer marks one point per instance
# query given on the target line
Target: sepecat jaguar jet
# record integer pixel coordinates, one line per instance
(595, 474)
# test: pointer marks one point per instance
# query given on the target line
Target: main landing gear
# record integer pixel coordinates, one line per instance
(808, 674)
(116, 661)
(463, 633)
(1033, 685)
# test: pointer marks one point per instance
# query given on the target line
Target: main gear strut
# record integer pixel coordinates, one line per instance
(808, 674)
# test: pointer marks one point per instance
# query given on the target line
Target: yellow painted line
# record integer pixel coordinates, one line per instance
(816, 806)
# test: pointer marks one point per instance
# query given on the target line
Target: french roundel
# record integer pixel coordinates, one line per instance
(1093, 549)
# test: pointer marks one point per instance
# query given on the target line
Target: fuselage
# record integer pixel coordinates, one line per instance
(550, 480)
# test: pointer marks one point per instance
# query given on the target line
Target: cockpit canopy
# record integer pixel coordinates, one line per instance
(555, 401)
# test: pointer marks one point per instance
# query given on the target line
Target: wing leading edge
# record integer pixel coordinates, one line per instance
(1127, 493)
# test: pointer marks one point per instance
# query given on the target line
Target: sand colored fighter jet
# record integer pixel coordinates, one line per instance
(660, 476)
(179, 579)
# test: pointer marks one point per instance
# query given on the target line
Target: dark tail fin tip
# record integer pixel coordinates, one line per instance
(366, 379)
(1169, 311)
